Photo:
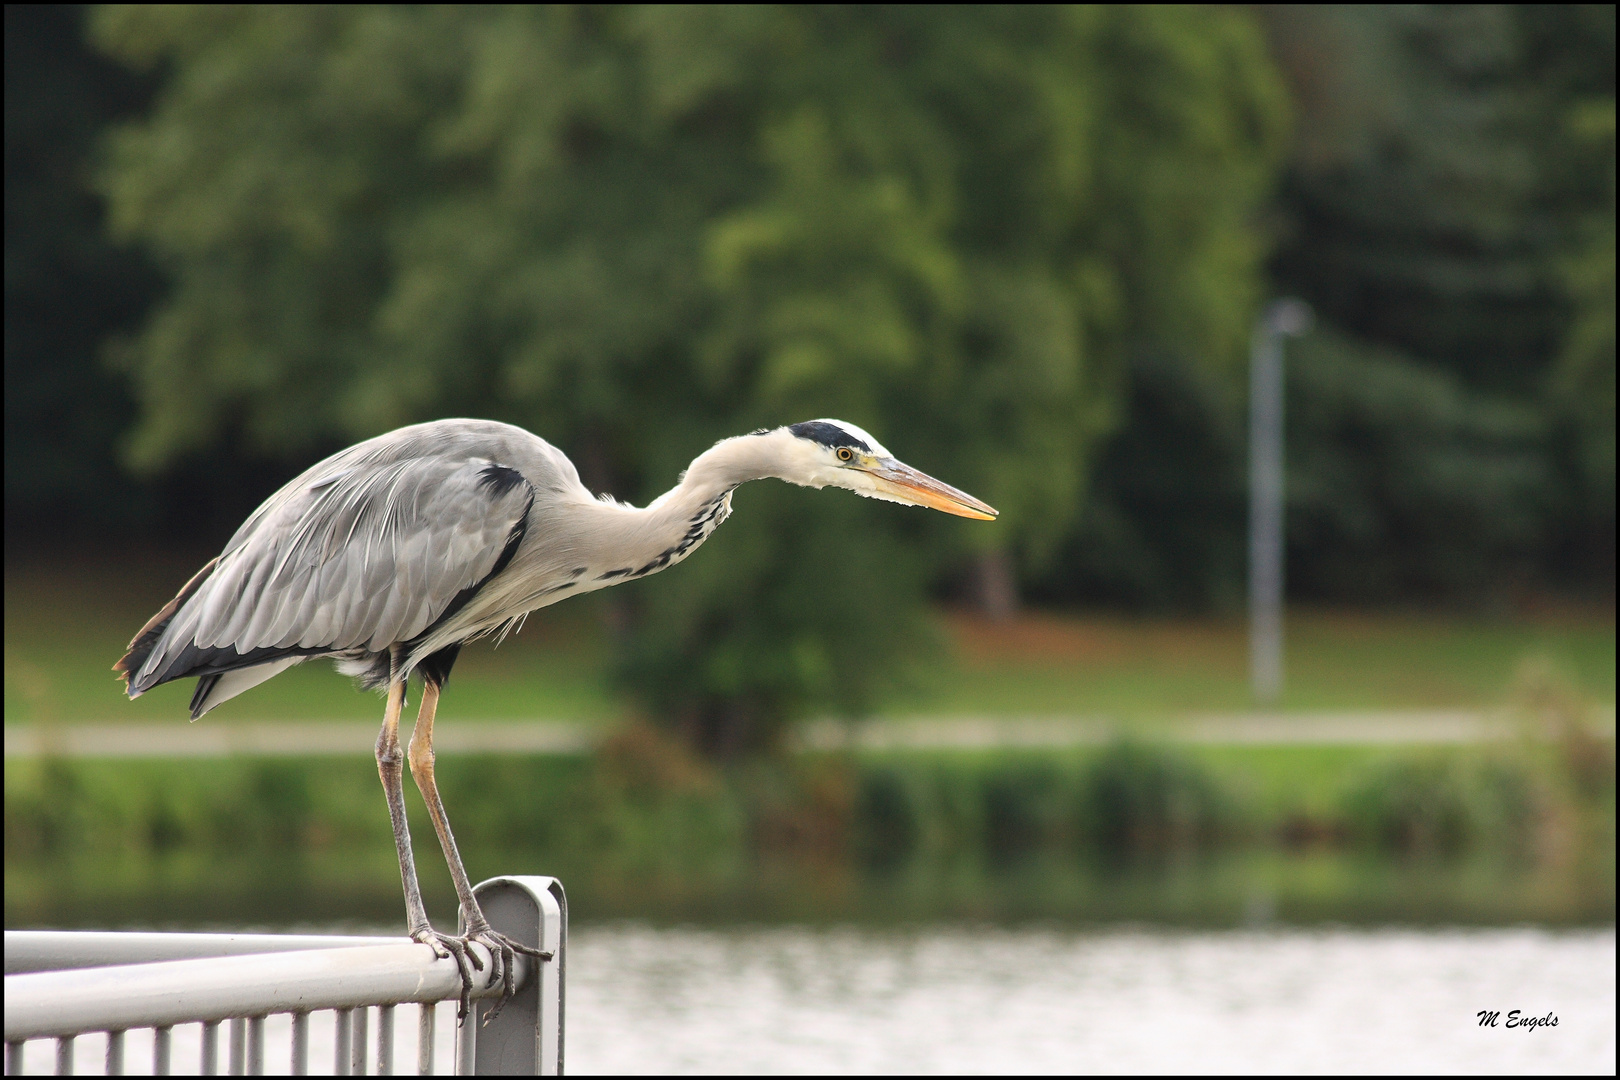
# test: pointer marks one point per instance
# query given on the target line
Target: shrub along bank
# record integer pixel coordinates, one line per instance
(1507, 831)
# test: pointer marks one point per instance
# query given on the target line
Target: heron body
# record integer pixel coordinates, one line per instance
(390, 555)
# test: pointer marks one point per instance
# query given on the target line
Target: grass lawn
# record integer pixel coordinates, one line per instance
(67, 621)
(1146, 668)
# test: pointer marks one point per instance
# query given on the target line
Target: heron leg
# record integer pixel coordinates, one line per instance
(477, 928)
(391, 767)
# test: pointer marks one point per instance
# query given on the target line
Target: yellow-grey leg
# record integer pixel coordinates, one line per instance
(391, 767)
(477, 927)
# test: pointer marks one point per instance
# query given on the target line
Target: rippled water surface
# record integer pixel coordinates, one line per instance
(1005, 1001)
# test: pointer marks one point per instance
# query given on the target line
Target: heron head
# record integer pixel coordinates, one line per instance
(832, 453)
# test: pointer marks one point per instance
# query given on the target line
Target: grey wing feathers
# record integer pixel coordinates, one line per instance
(366, 549)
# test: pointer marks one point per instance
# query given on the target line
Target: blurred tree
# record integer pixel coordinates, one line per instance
(1164, 526)
(1583, 381)
(67, 287)
(1448, 209)
(636, 229)
(1403, 481)
(1414, 209)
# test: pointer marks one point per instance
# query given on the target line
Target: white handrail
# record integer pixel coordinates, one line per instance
(60, 950)
(66, 984)
(62, 1003)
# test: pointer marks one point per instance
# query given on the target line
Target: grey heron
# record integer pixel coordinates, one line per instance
(392, 554)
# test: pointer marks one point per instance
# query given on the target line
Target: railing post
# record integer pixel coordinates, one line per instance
(357, 1056)
(385, 1040)
(300, 1043)
(425, 1038)
(341, 1041)
(210, 1048)
(526, 1039)
(255, 1054)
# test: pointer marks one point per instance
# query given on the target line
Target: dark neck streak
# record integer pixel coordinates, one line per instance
(677, 522)
(704, 521)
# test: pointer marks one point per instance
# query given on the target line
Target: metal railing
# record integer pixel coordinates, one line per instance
(65, 985)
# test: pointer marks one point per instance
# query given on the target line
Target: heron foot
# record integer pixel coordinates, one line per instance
(502, 951)
(445, 946)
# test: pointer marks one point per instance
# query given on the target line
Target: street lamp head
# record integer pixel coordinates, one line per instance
(1287, 317)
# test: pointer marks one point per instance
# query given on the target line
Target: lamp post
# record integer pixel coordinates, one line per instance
(1280, 318)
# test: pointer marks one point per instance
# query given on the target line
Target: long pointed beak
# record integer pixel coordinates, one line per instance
(908, 485)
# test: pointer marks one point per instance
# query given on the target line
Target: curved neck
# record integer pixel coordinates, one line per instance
(721, 468)
(673, 525)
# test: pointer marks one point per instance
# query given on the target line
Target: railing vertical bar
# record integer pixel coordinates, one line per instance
(210, 1048)
(357, 1056)
(115, 1053)
(424, 1038)
(64, 1056)
(467, 1043)
(345, 1028)
(160, 1051)
(385, 1040)
(14, 1056)
(238, 1050)
(255, 1051)
(300, 1043)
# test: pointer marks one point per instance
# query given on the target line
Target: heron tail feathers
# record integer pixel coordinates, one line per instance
(141, 646)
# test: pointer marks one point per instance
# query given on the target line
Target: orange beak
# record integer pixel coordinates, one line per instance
(909, 485)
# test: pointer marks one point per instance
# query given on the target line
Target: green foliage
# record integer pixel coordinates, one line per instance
(1166, 512)
(768, 621)
(646, 801)
(1452, 199)
(647, 829)
(1145, 798)
(1402, 480)
(1023, 809)
(886, 825)
(67, 286)
(1434, 806)
(636, 229)
(1448, 210)
(1435, 188)
(992, 235)
(1583, 382)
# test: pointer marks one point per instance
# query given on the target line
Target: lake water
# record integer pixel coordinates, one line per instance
(991, 1000)
(997, 1000)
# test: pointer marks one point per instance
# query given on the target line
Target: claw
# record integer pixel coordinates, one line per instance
(503, 961)
(503, 954)
(454, 947)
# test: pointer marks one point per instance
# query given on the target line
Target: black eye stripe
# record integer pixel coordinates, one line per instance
(829, 435)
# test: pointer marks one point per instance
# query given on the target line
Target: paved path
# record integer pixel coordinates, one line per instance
(311, 738)
(224, 738)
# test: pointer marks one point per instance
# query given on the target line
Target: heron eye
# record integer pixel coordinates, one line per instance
(845, 453)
